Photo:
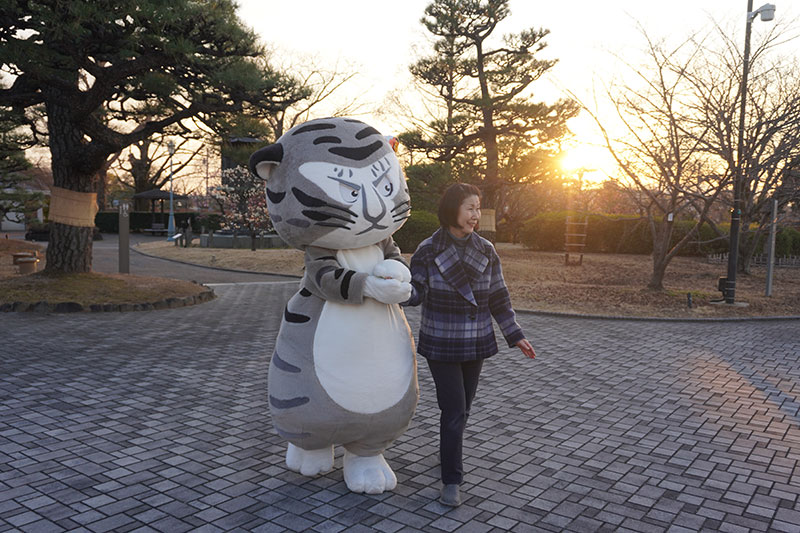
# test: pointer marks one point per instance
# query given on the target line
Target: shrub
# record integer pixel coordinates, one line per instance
(419, 227)
(505, 232)
(211, 222)
(622, 234)
(609, 234)
(544, 232)
(108, 221)
(40, 231)
(697, 245)
(787, 242)
(36, 226)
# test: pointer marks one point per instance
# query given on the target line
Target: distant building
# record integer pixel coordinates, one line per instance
(39, 181)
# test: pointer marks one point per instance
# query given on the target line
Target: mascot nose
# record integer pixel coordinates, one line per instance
(371, 199)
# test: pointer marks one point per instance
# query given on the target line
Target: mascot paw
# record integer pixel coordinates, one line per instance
(391, 269)
(387, 291)
(368, 474)
(309, 462)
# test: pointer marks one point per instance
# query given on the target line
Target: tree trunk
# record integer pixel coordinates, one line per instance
(746, 261)
(102, 183)
(748, 243)
(656, 282)
(74, 165)
(101, 190)
(489, 135)
(661, 238)
(143, 204)
(69, 249)
(491, 183)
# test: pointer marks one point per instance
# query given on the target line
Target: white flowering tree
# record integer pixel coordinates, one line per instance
(244, 204)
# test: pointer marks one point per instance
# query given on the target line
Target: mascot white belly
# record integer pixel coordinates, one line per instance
(363, 355)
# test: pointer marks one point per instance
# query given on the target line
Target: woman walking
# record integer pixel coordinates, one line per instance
(457, 278)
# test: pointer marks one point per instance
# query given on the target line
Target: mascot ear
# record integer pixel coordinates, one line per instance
(265, 161)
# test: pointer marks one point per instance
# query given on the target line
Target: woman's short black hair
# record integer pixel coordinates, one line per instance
(451, 201)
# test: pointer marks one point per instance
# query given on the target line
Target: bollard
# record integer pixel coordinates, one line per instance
(124, 239)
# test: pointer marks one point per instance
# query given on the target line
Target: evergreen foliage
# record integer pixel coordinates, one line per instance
(490, 131)
(14, 198)
(108, 74)
(419, 227)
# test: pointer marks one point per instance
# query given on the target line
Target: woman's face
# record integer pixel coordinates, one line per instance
(469, 213)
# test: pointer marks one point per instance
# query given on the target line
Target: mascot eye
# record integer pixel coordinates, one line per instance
(384, 186)
(348, 193)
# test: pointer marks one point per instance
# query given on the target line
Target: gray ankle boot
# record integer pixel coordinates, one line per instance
(450, 495)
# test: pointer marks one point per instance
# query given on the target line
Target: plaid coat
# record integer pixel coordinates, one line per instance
(459, 299)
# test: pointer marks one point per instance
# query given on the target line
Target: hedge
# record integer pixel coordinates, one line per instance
(108, 221)
(419, 227)
(623, 234)
(787, 243)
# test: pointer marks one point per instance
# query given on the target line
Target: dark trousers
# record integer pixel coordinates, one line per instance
(456, 384)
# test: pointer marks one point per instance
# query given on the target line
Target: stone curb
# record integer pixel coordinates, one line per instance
(74, 307)
(654, 318)
(238, 271)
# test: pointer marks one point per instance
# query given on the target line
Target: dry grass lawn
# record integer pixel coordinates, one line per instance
(605, 284)
(276, 261)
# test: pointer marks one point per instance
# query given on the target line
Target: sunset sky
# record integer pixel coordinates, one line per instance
(380, 39)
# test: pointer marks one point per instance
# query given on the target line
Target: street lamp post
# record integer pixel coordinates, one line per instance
(171, 227)
(767, 12)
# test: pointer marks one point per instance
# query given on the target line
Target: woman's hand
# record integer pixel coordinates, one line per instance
(526, 348)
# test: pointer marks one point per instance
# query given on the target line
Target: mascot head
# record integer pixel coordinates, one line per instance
(334, 183)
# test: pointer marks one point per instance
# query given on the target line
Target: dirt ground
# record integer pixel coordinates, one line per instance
(605, 284)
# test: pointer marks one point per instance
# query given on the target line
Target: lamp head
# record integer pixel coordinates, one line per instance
(767, 12)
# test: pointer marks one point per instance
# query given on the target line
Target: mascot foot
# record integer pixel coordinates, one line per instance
(309, 462)
(368, 474)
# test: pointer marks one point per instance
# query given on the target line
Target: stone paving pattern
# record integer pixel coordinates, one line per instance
(158, 421)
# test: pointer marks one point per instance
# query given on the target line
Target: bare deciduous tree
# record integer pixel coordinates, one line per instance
(661, 158)
(146, 165)
(320, 85)
(771, 142)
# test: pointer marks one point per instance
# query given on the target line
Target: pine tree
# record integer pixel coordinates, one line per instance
(489, 118)
(97, 68)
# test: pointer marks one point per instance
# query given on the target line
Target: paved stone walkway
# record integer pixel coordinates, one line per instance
(158, 422)
(105, 258)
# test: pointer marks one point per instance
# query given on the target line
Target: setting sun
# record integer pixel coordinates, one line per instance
(593, 161)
